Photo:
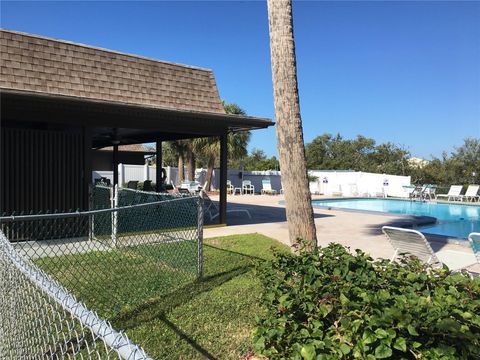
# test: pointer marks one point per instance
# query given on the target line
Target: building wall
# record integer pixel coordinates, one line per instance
(42, 170)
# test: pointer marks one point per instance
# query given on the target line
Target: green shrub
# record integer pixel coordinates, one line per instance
(329, 304)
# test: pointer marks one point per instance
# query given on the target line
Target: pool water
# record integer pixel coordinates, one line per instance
(453, 220)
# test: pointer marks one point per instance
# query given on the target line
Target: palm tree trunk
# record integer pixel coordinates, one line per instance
(190, 165)
(208, 177)
(291, 148)
(180, 176)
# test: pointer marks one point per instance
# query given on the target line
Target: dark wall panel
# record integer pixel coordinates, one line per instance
(41, 170)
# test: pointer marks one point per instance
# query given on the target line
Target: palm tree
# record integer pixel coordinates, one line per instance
(190, 155)
(291, 148)
(180, 147)
(210, 147)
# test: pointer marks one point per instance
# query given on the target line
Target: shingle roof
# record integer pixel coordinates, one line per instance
(38, 64)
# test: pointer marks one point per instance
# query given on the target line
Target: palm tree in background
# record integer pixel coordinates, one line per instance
(209, 148)
(291, 148)
(180, 148)
(190, 157)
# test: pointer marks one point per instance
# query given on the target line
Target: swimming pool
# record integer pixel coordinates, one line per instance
(453, 220)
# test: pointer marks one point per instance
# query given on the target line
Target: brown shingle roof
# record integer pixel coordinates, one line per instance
(38, 64)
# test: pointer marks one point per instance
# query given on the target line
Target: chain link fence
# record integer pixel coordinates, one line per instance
(40, 319)
(111, 258)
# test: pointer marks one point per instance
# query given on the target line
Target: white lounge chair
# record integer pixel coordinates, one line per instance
(247, 187)
(474, 239)
(211, 209)
(471, 193)
(413, 242)
(230, 187)
(408, 190)
(429, 192)
(416, 192)
(267, 188)
(453, 193)
(337, 191)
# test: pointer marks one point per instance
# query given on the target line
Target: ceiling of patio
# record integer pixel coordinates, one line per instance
(122, 123)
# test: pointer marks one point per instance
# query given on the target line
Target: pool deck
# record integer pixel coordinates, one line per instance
(357, 230)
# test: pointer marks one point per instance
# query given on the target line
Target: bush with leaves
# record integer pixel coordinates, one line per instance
(330, 304)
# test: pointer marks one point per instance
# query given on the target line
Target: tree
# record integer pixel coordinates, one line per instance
(209, 148)
(257, 160)
(467, 161)
(289, 131)
(359, 154)
(180, 147)
(190, 156)
(169, 154)
(462, 166)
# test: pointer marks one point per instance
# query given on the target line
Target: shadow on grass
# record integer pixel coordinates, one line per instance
(187, 338)
(158, 308)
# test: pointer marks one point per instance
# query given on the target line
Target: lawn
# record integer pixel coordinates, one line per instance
(209, 318)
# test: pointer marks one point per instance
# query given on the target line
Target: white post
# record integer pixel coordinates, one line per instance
(121, 174)
(200, 237)
(146, 175)
(114, 201)
(168, 180)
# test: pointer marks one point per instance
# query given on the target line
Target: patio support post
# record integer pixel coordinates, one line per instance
(158, 171)
(87, 165)
(223, 179)
(115, 164)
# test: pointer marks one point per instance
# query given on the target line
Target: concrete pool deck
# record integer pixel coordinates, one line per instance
(357, 230)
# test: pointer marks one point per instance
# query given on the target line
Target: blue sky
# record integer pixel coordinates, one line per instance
(406, 72)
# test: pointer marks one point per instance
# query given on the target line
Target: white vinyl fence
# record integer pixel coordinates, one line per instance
(357, 183)
(328, 182)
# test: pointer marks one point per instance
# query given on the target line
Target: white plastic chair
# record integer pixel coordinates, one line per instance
(247, 187)
(267, 188)
(471, 194)
(411, 242)
(453, 193)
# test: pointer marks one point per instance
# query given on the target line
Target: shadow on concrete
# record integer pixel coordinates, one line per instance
(437, 242)
(261, 214)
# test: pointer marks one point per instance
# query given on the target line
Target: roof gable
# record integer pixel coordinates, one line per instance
(37, 64)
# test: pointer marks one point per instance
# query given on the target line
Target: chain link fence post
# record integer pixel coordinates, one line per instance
(90, 207)
(200, 238)
(114, 199)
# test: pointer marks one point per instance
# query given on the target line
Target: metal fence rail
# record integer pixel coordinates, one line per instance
(115, 257)
(40, 319)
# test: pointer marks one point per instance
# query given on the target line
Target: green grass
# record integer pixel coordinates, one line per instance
(209, 318)
(214, 317)
(111, 281)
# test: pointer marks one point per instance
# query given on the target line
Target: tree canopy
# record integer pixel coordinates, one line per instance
(361, 154)
(256, 160)
(328, 151)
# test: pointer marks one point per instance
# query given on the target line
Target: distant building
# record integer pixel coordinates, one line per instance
(418, 162)
(133, 154)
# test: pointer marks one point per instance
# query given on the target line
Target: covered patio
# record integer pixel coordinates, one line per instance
(61, 100)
